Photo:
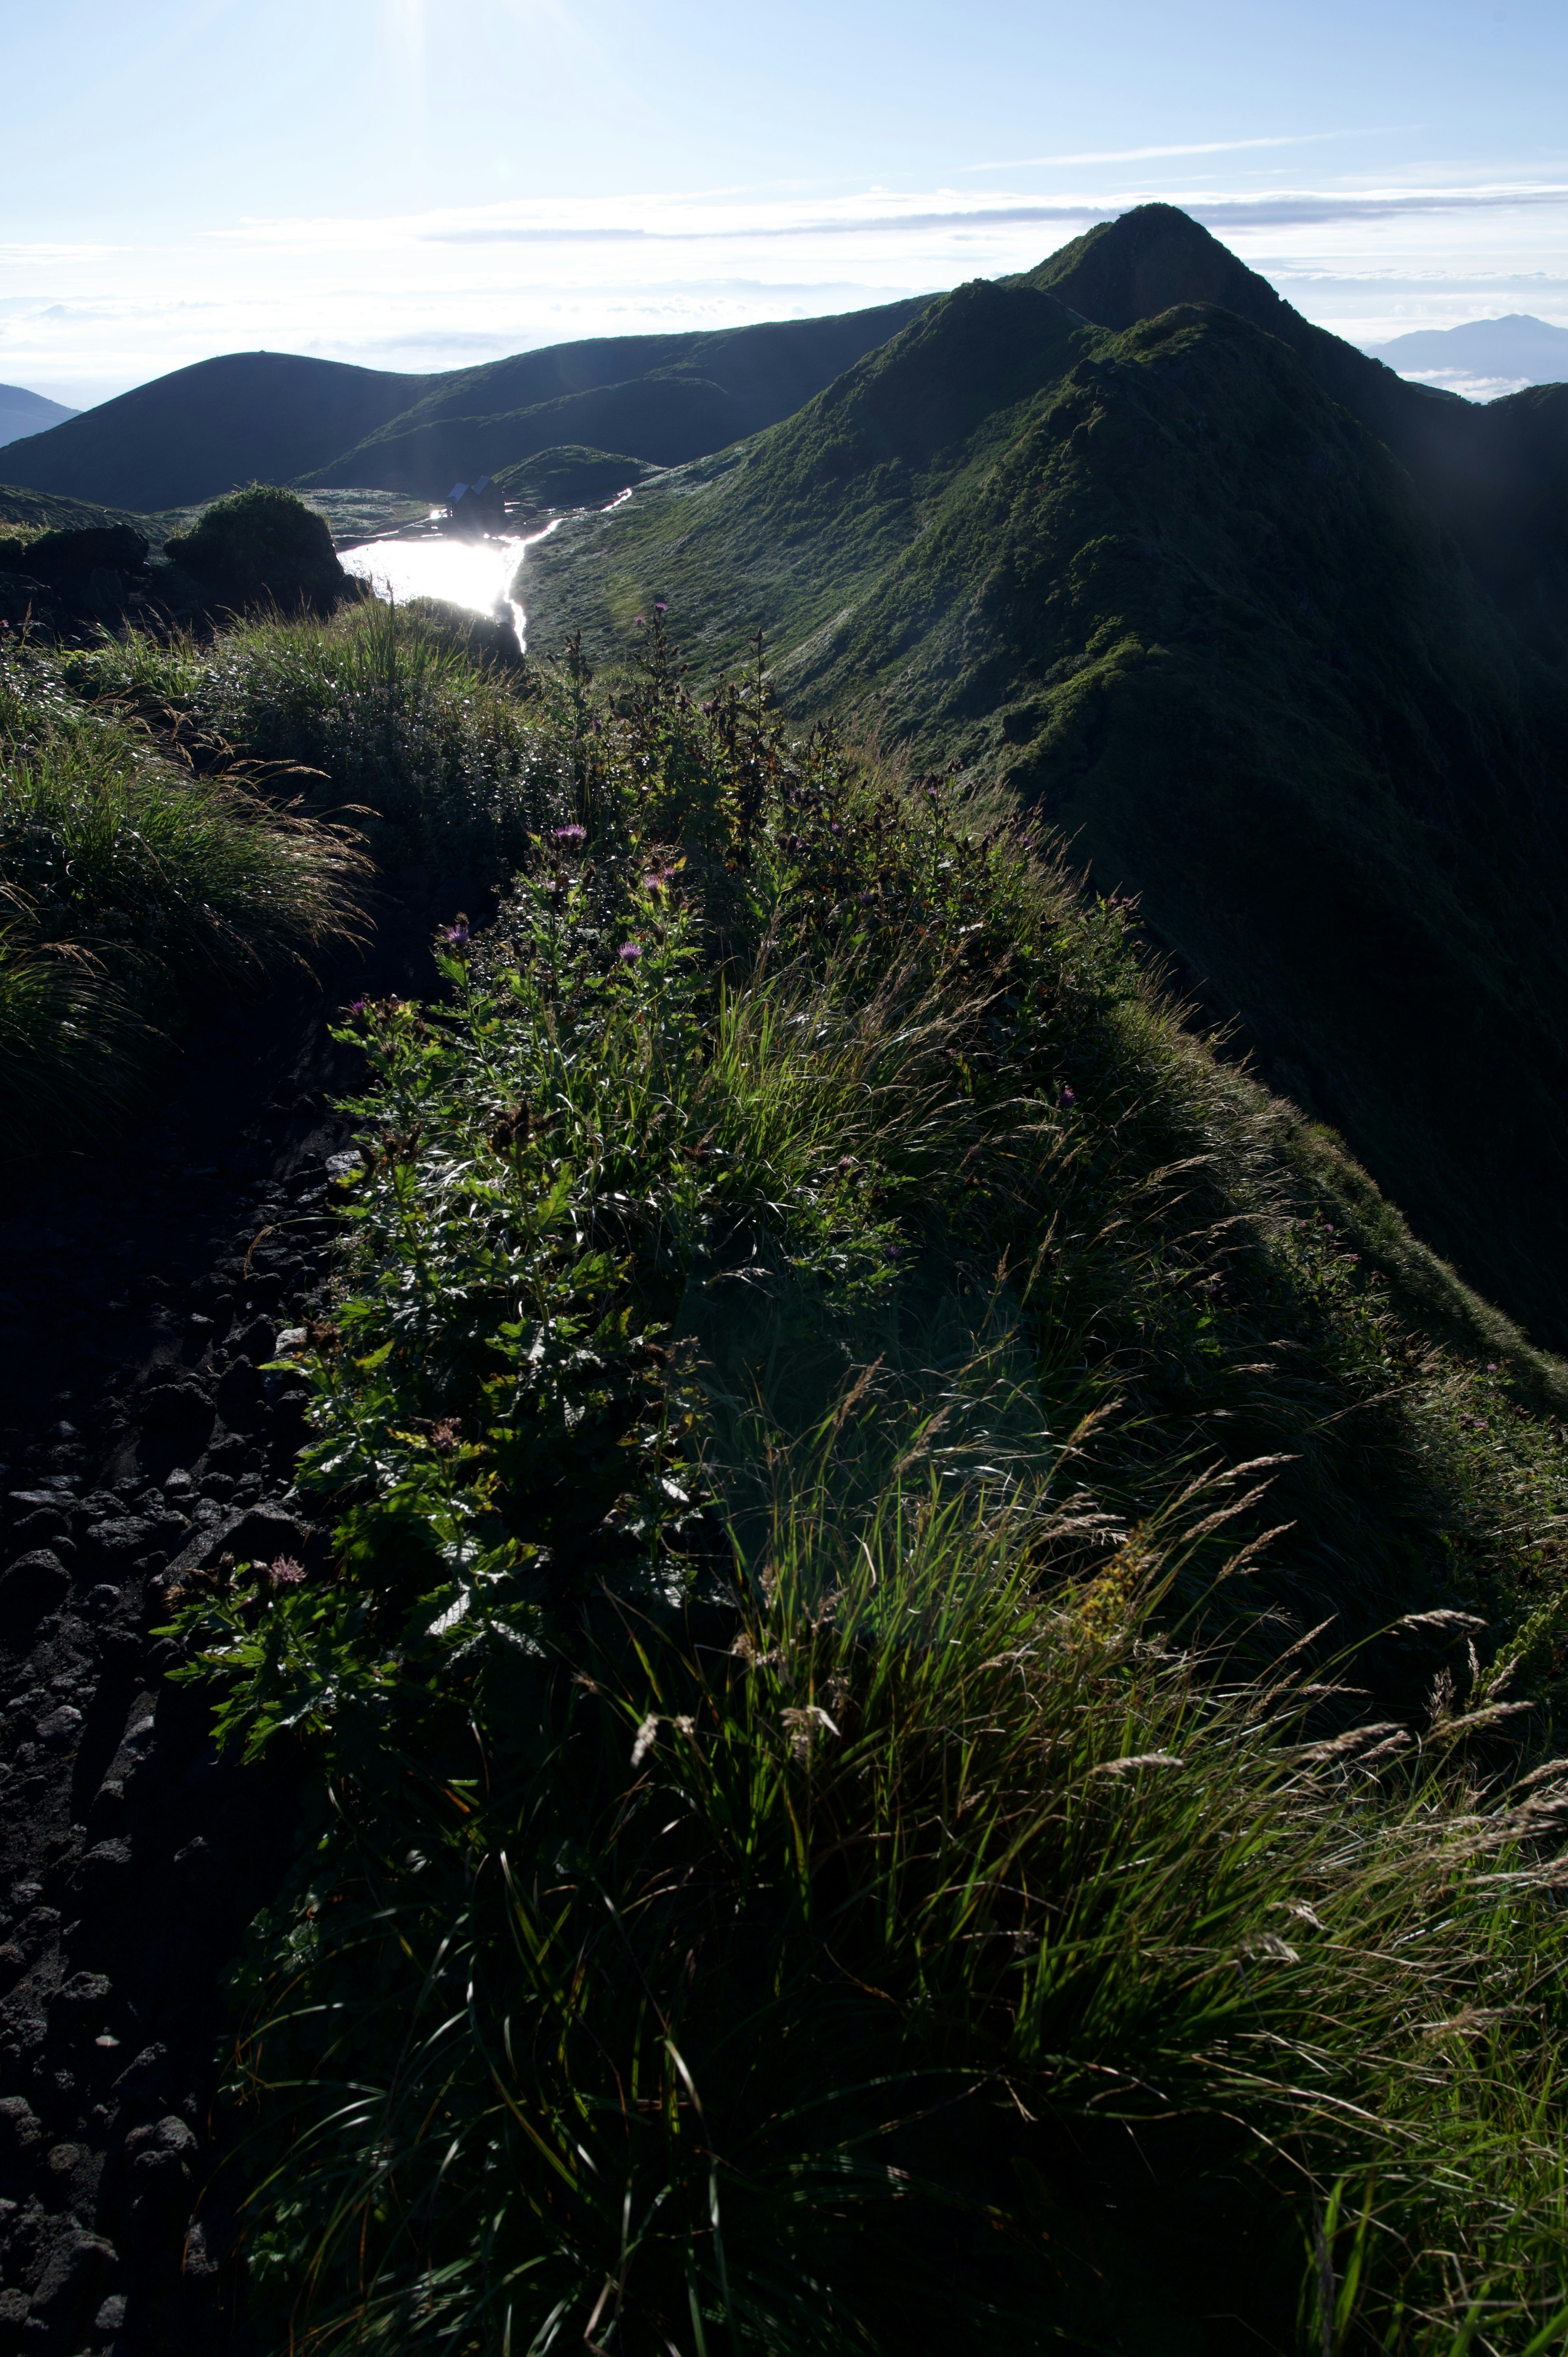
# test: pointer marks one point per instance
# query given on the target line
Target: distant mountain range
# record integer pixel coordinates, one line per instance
(275, 417)
(1274, 639)
(1484, 356)
(23, 413)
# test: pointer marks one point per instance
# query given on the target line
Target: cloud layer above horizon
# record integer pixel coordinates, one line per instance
(452, 286)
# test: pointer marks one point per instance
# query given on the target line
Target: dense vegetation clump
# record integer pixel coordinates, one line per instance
(263, 546)
(436, 758)
(931, 1722)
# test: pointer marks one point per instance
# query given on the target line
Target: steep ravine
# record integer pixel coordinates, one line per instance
(139, 1293)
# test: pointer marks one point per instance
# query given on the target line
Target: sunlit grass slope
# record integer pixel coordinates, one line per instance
(932, 1724)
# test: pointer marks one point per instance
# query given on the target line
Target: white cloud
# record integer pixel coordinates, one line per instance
(438, 288)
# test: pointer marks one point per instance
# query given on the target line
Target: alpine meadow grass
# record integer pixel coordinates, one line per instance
(933, 1720)
(134, 883)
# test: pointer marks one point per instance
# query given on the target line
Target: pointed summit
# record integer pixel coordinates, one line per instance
(1148, 261)
(1156, 256)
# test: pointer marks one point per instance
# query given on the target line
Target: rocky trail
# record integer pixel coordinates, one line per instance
(140, 1294)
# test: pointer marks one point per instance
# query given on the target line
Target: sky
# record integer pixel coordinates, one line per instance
(422, 184)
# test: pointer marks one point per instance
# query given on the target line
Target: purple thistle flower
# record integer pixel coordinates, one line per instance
(659, 607)
(356, 1006)
(629, 951)
(456, 934)
(571, 833)
(284, 1571)
(637, 620)
(1068, 1096)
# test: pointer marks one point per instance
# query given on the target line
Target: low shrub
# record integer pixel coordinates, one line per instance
(263, 547)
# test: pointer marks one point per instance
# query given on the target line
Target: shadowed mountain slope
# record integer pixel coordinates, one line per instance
(267, 416)
(1490, 473)
(1160, 579)
(275, 417)
(24, 512)
(663, 399)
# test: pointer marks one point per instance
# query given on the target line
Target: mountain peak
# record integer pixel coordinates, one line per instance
(1149, 260)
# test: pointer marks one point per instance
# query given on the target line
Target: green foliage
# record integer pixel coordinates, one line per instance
(263, 546)
(132, 887)
(896, 1750)
(432, 755)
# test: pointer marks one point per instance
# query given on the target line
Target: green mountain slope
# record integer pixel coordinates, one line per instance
(1496, 476)
(663, 399)
(267, 416)
(1160, 579)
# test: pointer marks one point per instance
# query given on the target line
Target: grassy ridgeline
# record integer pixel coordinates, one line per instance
(1158, 581)
(131, 886)
(932, 1720)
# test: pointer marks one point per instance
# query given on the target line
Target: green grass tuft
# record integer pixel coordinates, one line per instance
(133, 887)
(437, 759)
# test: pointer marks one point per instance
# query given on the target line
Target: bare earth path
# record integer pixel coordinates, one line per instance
(138, 1296)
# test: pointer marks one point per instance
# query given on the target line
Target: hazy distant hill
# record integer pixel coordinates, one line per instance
(28, 413)
(267, 416)
(1484, 355)
(1193, 583)
(278, 418)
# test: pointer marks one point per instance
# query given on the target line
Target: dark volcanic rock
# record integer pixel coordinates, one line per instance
(131, 1854)
(77, 2274)
(35, 1584)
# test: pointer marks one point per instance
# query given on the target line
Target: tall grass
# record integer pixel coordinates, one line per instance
(72, 1046)
(193, 876)
(438, 757)
(133, 884)
(826, 1976)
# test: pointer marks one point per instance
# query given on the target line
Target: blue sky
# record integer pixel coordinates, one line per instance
(419, 183)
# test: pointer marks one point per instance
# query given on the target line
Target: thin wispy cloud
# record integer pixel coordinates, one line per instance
(432, 287)
(1149, 154)
(1280, 208)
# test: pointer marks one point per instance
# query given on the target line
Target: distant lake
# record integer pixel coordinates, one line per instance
(478, 573)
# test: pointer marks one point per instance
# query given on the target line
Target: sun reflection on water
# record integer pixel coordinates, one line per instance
(478, 573)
